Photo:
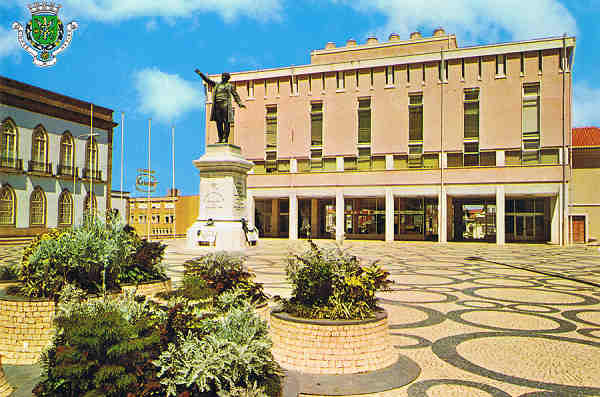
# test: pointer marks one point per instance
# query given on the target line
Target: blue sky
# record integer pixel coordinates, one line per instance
(138, 56)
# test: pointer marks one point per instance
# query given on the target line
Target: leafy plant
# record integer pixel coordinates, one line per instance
(223, 272)
(8, 273)
(331, 283)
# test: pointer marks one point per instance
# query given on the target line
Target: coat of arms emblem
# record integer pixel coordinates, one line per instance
(45, 33)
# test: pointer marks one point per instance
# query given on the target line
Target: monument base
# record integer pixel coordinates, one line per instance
(220, 236)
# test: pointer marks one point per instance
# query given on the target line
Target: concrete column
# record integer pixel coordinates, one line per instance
(275, 217)
(314, 218)
(500, 158)
(251, 209)
(293, 216)
(555, 224)
(339, 164)
(500, 213)
(566, 219)
(339, 215)
(389, 161)
(389, 215)
(293, 165)
(442, 216)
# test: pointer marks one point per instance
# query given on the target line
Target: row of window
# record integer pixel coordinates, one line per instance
(38, 207)
(142, 219)
(9, 144)
(413, 73)
(471, 156)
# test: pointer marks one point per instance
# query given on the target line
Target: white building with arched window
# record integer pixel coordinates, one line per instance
(51, 170)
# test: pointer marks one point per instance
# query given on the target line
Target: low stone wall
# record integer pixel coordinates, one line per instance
(25, 329)
(5, 388)
(150, 288)
(331, 347)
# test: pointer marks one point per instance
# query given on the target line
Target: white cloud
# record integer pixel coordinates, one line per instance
(586, 103)
(8, 42)
(116, 10)
(165, 96)
(472, 20)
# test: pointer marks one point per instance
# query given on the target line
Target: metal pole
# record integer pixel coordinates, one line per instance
(173, 191)
(442, 150)
(564, 182)
(91, 155)
(122, 134)
(148, 209)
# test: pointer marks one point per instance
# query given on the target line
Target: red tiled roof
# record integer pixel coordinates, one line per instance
(586, 136)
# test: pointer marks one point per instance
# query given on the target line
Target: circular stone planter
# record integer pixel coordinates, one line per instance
(5, 387)
(331, 346)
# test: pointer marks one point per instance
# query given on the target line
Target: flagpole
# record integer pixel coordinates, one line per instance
(173, 191)
(149, 179)
(91, 195)
(122, 134)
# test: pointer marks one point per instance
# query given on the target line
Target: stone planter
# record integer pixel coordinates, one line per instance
(25, 328)
(5, 387)
(331, 346)
(149, 288)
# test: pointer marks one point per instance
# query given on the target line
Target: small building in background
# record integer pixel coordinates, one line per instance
(163, 217)
(584, 207)
(120, 204)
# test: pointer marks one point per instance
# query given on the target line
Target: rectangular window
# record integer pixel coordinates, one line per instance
(500, 65)
(283, 166)
(329, 164)
(471, 152)
(277, 86)
(423, 71)
(389, 75)
(440, 71)
(323, 82)
(341, 80)
(309, 83)
(522, 64)
(372, 77)
(364, 159)
(316, 159)
(408, 73)
(471, 114)
(455, 160)
(415, 122)
(296, 90)
(479, 68)
(316, 124)
(487, 159)
(540, 61)
(445, 70)
(250, 88)
(271, 162)
(415, 155)
(357, 78)
(364, 121)
(462, 68)
(349, 163)
(271, 139)
(292, 85)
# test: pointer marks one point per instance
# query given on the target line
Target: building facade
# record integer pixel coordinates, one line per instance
(584, 208)
(50, 167)
(164, 217)
(413, 139)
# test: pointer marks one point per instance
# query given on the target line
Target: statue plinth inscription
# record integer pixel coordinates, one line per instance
(223, 199)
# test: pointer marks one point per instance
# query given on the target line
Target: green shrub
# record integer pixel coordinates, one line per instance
(102, 348)
(8, 273)
(233, 354)
(97, 256)
(223, 272)
(330, 283)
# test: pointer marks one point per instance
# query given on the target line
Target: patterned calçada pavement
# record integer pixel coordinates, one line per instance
(478, 319)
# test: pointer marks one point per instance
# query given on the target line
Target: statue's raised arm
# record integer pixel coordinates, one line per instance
(206, 79)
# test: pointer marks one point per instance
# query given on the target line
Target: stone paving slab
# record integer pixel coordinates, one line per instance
(474, 327)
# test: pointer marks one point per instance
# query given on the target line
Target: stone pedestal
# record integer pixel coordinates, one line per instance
(223, 200)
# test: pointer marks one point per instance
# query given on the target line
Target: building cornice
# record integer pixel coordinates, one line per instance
(450, 54)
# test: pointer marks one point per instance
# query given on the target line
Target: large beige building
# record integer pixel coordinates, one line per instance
(411, 140)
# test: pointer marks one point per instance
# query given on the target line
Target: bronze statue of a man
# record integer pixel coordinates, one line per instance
(222, 111)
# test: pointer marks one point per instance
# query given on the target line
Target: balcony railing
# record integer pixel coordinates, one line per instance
(67, 170)
(11, 163)
(92, 174)
(41, 167)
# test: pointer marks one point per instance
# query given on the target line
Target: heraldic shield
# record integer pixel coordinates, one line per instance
(44, 32)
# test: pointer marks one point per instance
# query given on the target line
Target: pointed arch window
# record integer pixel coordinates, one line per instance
(37, 207)
(65, 208)
(67, 150)
(39, 150)
(91, 159)
(8, 144)
(90, 204)
(7, 206)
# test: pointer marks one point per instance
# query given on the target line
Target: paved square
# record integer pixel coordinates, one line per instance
(490, 325)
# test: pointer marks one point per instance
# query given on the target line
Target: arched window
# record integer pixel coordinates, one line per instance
(38, 146)
(8, 205)
(67, 149)
(91, 158)
(8, 144)
(65, 208)
(37, 207)
(90, 204)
